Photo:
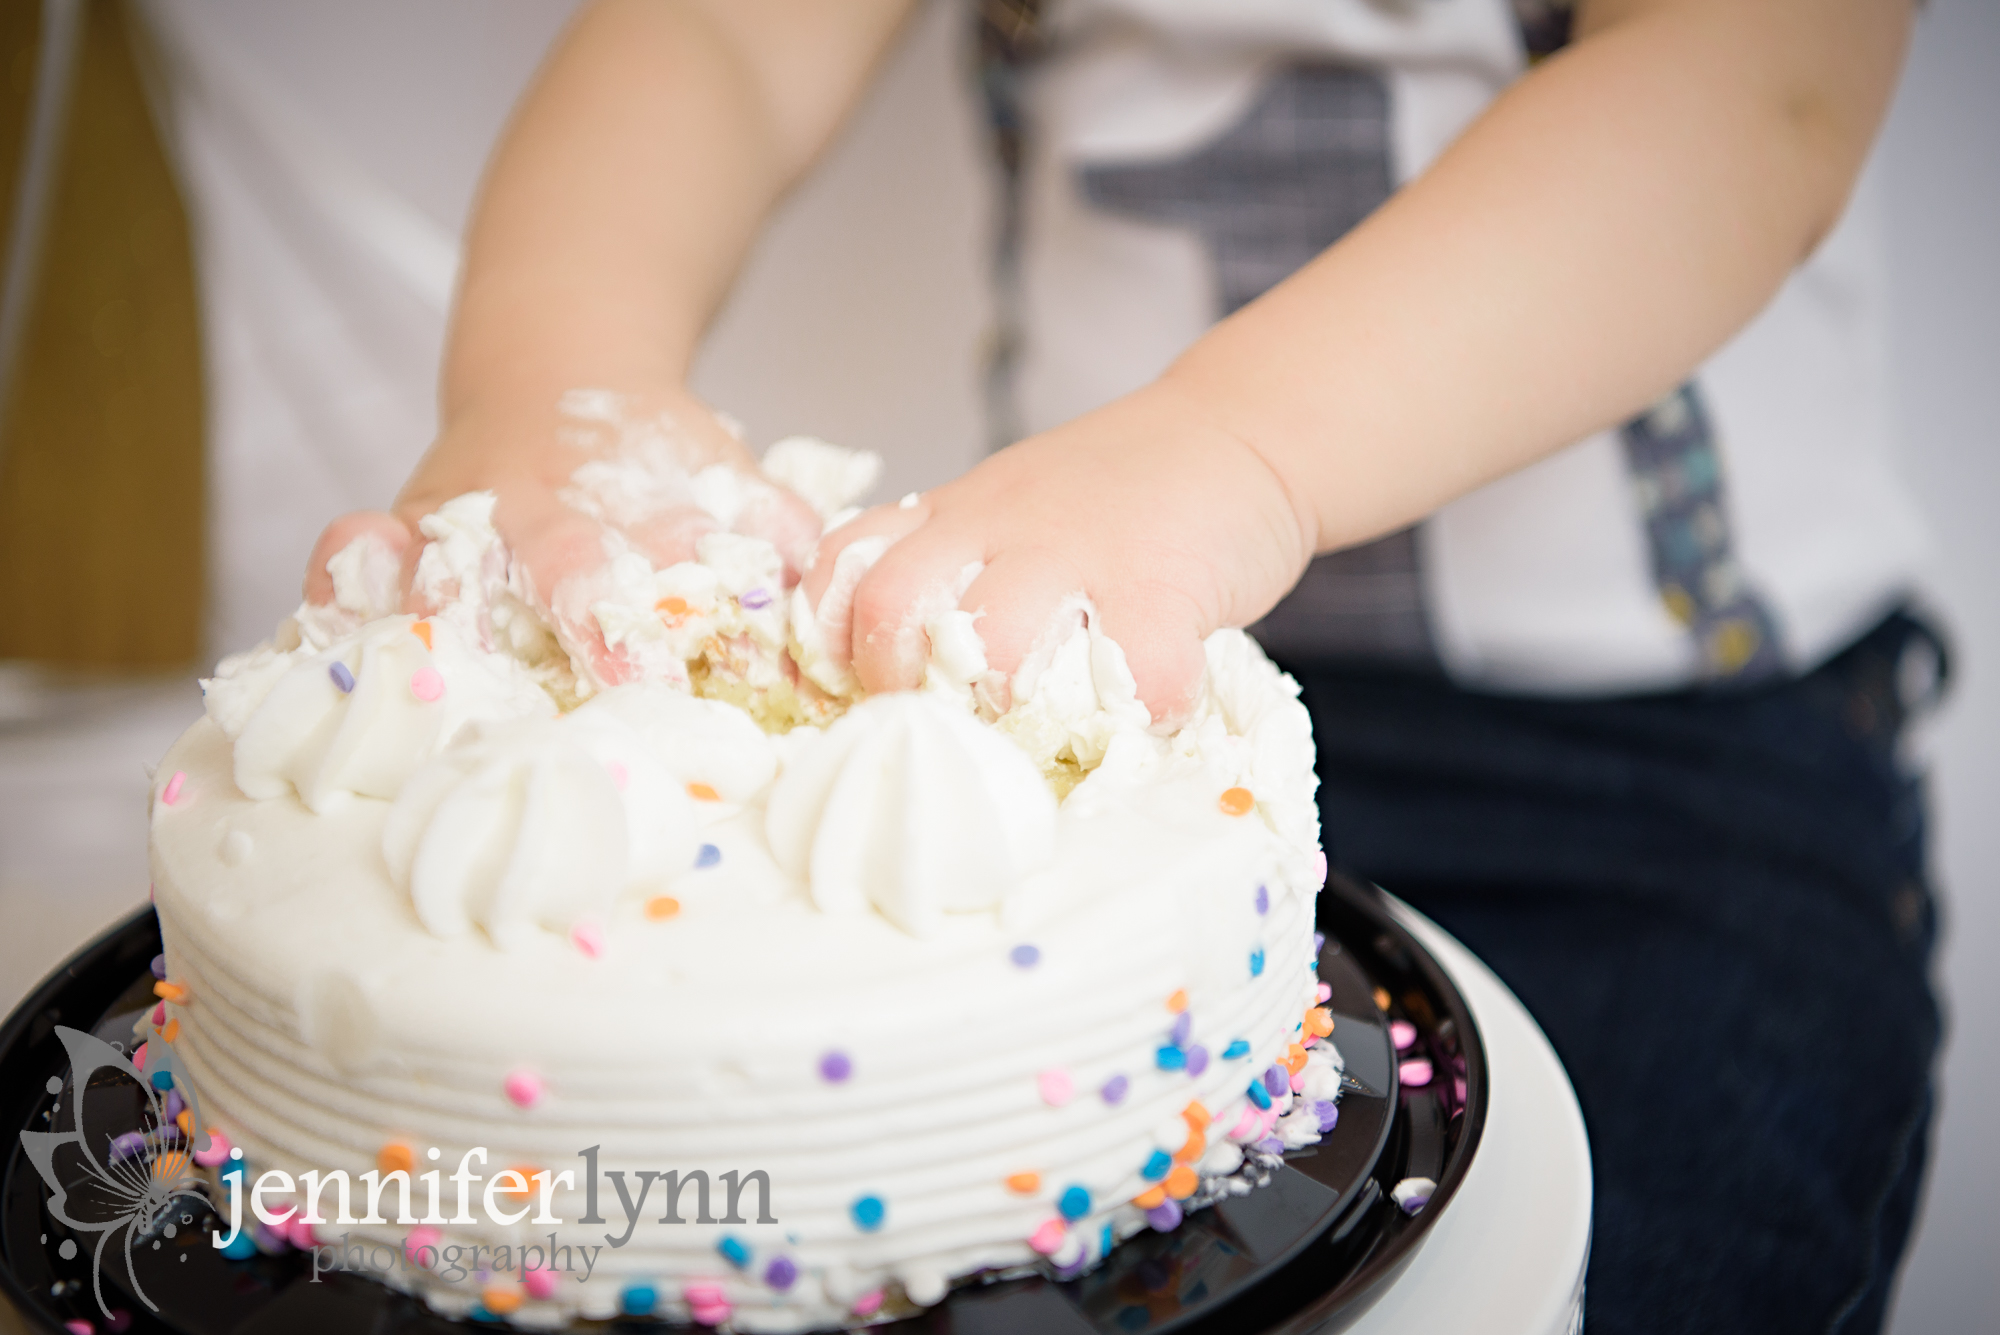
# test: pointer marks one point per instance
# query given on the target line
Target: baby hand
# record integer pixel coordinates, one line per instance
(578, 479)
(1171, 525)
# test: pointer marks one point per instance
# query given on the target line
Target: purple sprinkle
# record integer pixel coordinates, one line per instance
(1183, 1029)
(1025, 956)
(341, 677)
(1166, 1216)
(1276, 1081)
(1319, 942)
(1263, 900)
(127, 1146)
(1114, 1090)
(835, 1066)
(708, 857)
(1328, 1113)
(175, 1104)
(1197, 1059)
(753, 600)
(1271, 1145)
(159, 967)
(781, 1274)
(1415, 1073)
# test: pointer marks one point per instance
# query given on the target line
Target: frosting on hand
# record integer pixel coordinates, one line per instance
(912, 806)
(537, 823)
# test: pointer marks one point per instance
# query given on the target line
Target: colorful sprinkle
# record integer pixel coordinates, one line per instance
(1413, 1194)
(1323, 993)
(1182, 1030)
(1150, 1197)
(639, 1299)
(1025, 1184)
(1328, 1113)
(240, 1248)
(1319, 942)
(1170, 1059)
(524, 1088)
(139, 1057)
(127, 1146)
(868, 1213)
(217, 1151)
(707, 857)
(702, 792)
(499, 1300)
(419, 1238)
(396, 1157)
(172, 792)
(300, 1234)
(1294, 1059)
(175, 1106)
(159, 966)
(782, 1273)
(1048, 1237)
(1197, 1059)
(540, 1284)
(1177, 1002)
(1114, 1090)
(1319, 1022)
(422, 630)
(1181, 1182)
(1237, 1048)
(620, 776)
(588, 937)
(1414, 1073)
(174, 992)
(1319, 865)
(1403, 1034)
(1256, 962)
(835, 1067)
(1271, 1145)
(1025, 956)
(1056, 1086)
(159, 1015)
(78, 1326)
(1236, 802)
(171, 1030)
(1191, 1149)
(661, 907)
(1158, 1164)
(1275, 1081)
(427, 684)
(343, 679)
(1263, 900)
(163, 1080)
(1165, 1217)
(756, 600)
(1196, 1115)
(709, 1314)
(1381, 998)
(869, 1303)
(705, 1293)
(672, 606)
(1258, 1094)
(735, 1251)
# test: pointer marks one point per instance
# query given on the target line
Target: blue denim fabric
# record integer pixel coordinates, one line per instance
(1716, 906)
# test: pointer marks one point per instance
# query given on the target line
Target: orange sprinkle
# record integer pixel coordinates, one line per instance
(1196, 1114)
(422, 630)
(173, 992)
(1180, 1183)
(1191, 1150)
(396, 1157)
(1319, 1022)
(171, 1030)
(1150, 1197)
(185, 1121)
(673, 608)
(662, 906)
(701, 792)
(1178, 1001)
(1237, 802)
(500, 1301)
(1295, 1059)
(170, 1166)
(1381, 998)
(527, 1172)
(1027, 1184)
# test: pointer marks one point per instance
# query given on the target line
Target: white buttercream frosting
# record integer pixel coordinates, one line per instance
(912, 806)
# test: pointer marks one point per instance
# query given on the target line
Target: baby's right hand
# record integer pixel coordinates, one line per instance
(577, 478)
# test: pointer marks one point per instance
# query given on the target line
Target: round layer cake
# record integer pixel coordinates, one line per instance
(788, 1006)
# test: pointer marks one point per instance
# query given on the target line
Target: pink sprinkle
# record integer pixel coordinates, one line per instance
(1048, 1237)
(217, 1151)
(427, 684)
(589, 938)
(1325, 992)
(1245, 1124)
(78, 1326)
(172, 792)
(421, 1237)
(709, 1314)
(300, 1234)
(705, 1294)
(1402, 1033)
(139, 1057)
(1056, 1086)
(539, 1283)
(159, 1015)
(1319, 866)
(869, 1303)
(619, 774)
(1416, 1072)
(1299, 1081)
(524, 1087)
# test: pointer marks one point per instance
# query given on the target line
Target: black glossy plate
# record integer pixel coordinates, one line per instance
(1309, 1251)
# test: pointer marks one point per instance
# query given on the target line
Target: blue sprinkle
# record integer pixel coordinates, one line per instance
(1197, 1059)
(1170, 1059)
(1157, 1166)
(734, 1251)
(1104, 1242)
(240, 1247)
(1074, 1203)
(1276, 1080)
(1257, 1094)
(1183, 1029)
(1025, 956)
(708, 857)
(1236, 1049)
(1114, 1090)
(479, 1312)
(1263, 900)
(868, 1213)
(341, 677)
(639, 1299)
(1256, 961)
(163, 1080)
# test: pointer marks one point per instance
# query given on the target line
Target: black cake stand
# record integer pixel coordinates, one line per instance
(1309, 1251)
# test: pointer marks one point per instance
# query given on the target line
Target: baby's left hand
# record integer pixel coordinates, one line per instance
(1170, 524)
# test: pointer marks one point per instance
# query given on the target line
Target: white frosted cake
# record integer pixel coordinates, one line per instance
(898, 989)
